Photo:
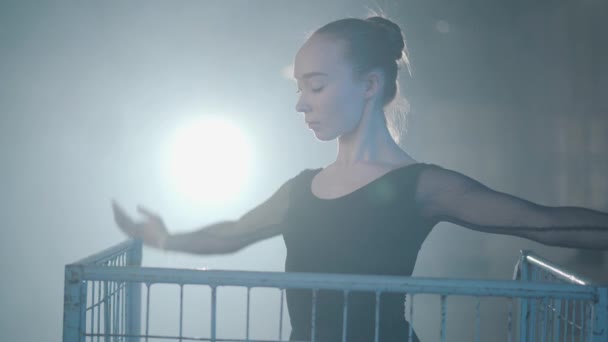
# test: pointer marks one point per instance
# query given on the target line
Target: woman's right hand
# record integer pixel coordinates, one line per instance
(151, 230)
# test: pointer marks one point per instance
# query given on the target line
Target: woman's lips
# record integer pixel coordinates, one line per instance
(313, 124)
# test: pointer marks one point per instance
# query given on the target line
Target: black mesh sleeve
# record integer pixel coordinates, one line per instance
(447, 195)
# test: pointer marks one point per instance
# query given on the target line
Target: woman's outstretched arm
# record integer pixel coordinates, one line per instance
(261, 223)
(450, 196)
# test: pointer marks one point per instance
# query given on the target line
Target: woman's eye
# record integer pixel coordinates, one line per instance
(314, 90)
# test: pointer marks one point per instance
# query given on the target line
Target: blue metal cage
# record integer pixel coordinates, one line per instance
(107, 298)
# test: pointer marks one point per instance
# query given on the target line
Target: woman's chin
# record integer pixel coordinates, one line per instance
(323, 137)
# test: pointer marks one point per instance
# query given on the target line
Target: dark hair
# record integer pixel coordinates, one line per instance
(371, 43)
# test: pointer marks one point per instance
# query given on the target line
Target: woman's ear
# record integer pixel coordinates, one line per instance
(373, 81)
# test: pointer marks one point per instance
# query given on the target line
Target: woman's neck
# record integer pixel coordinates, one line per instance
(370, 142)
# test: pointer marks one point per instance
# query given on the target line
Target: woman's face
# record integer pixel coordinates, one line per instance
(331, 99)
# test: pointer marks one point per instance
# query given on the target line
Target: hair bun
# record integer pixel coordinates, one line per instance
(393, 34)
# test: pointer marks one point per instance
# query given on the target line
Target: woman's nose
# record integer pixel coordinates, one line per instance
(302, 106)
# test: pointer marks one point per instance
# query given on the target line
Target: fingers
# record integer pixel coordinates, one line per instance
(120, 216)
(148, 213)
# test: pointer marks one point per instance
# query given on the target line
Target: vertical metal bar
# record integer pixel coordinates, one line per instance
(107, 311)
(543, 336)
(582, 311)
(111, 306)
(410, 333)
(524, 316)
(248, 313)
(181, 312)
(557, 320)
(314, 315)
(377, 328)
(524, 303)
(148, 288)
(213, 312)
(123, 261)
(281, 315)
(92, 308)
(600, 315)
(573, 321)
(124, 310)
(116, 310)
(110, 321)
(99, 311)
(477, 320)
(524, 307)
(588, 324)
(119, 310)
(133, 294)
(524, 266)
(443, 318)
(532, 305)
(566, 318)
(74, 305)
(345, 316)
(510, 319)
(113, 299)
(549, 322)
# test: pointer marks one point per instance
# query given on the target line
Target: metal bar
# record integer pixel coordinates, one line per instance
(557, 318)
(510, 320)
(281, 315)
(248, 312)
(109, 253)
(123, 262)
(588, 332)
(181, 312)
(600, 316)
(477, 321)
(442, 330)
(99, 310)
(148, 288)
(377, 328)
(116, 309)
(314, 315)
(92, 306)
(323, 281)
(74, 305)
(345, 317)
(573, 320)
(111, 298)
(124, 309)
(411, 322)
(582, 334)
(172, 337)
(555, 270)
(533, 303)
(544, 314)
(106, 312)
(213, 312)
(567, 318)
(133, 292)
(524, 303)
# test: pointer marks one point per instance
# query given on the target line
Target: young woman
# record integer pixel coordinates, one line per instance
(370, 210)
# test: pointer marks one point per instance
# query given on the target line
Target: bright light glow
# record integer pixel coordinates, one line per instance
(209, 160)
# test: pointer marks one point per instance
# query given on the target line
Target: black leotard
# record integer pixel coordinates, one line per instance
(376, 229)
